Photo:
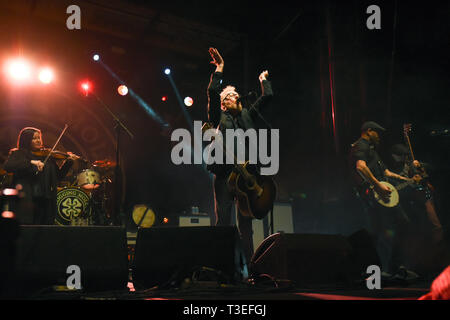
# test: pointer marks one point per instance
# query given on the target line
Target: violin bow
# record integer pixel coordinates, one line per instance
(56, 143)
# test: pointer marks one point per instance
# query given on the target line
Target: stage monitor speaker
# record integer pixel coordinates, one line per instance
(9, 231)
(282, 222)
(44, 254)
(364, 250)
(167, 254)
(306, 259)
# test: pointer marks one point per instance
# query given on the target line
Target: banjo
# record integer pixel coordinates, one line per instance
(393, 199)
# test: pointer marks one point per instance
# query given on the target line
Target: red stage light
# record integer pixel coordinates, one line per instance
(86, 87)
(165, 220)
(164, 98)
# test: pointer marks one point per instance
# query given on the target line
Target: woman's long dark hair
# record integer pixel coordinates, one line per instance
(25, 137)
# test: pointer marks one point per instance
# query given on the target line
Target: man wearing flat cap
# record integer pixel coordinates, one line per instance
(388, 225)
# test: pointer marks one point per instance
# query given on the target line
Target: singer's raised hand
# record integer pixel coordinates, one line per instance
(263, 75)
(217, 59)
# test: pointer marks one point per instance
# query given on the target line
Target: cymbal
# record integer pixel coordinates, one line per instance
(104, 164)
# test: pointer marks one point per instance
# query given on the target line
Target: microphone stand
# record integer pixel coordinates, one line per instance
(118, 127)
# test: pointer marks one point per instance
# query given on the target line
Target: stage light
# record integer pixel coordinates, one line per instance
(46, 75)
(10, 192)
(122, 89)
(8, 214)
(96, 57)
(86, 87)
(167, 71)
(19, 70)
(164, 98)
(165, 220)
(188, 101)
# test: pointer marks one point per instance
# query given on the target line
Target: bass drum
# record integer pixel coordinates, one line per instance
(72, 204)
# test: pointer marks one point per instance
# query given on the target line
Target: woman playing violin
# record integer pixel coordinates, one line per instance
(38, 179)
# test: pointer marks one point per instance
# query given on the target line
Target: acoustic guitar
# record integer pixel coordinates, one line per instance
(255, 193)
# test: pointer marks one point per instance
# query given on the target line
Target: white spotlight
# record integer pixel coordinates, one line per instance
(188, 101)
(122, 89)
(19, 70)
(46, 75)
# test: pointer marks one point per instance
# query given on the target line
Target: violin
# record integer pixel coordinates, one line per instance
(57, 155)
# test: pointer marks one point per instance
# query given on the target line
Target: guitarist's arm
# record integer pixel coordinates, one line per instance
(364, 170)
(391, 174)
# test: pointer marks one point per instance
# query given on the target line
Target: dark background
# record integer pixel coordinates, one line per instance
(323, 61)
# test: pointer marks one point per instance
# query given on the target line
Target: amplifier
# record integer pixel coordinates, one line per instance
(194, 221)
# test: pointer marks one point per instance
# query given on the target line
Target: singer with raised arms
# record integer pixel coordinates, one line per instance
(226, 111)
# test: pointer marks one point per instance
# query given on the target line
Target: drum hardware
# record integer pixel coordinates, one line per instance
(88, 179)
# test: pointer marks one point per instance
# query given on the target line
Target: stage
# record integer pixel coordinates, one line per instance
(115, 184)
(193, 264)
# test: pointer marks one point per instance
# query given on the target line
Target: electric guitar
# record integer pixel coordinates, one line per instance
(255, 193)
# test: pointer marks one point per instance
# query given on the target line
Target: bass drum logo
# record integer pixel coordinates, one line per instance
(72, 204)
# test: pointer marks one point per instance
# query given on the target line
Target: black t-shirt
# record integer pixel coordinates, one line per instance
(364, 150)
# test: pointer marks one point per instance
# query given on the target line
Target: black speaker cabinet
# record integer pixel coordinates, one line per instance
(45, 252)
(9, 231)
(306, 259)
(165, 254)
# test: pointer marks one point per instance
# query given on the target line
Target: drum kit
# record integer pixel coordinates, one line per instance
(85, 196)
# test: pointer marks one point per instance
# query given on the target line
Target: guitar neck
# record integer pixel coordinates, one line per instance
(410, 148)
(408, 141)
(403, 185)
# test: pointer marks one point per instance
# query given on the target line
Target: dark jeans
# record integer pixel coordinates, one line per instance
(390, 228)
(223, 209)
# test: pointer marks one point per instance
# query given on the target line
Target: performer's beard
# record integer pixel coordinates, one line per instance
(375, 141)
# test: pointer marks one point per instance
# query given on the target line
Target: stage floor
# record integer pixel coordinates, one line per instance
(211, 291)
